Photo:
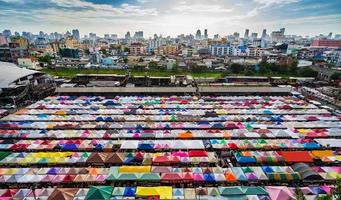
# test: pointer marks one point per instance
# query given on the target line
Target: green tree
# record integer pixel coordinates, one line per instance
(86, 51)
(153, 65)
(125, 60)
(141, 59)
(198, 68)
(324, 198)
(104, 51)
(293, 66)
(126, 49)
(299, 194)
(264, 67)
(337, 191)
(335, 76)
(237, 68)
(46, 58)
(175, 68)
(249, 73)
(307, 72)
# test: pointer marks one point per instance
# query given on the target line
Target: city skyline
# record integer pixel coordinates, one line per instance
(301, 17)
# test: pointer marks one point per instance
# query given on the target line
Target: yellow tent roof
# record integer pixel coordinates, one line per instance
(134, 169)
(164, 192)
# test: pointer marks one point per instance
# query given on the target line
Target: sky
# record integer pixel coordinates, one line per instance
(172, 17)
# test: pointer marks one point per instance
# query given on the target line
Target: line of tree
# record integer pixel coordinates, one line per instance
(268, 68)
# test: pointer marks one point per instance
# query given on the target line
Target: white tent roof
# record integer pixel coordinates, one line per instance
(10, 72)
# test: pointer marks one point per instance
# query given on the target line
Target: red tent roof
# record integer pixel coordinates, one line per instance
(296, 156)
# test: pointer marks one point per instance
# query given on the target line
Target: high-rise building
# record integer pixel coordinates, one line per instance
(282, 30)
(198, 35)
(21, 41)
(92, 36)
(254, 35)
(264, 34)
(7, 33)
(75, 34)
(206, 34)
(138, 35)
(12, 52)
(325, 43)
(246, 34)
(236, 35)
(127, 36)
(330, 35)
(3, 41)
(137, 49)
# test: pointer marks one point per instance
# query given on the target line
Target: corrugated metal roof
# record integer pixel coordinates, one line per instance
(10, 72)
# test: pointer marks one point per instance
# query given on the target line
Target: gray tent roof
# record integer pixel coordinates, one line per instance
(10, 72)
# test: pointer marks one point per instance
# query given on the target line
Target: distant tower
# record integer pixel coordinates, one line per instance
(330, 35)
(75, 34)
(127, 35)
(206, 34)
(264, 34)
(198, 35)
(246, 35)
(282, 30)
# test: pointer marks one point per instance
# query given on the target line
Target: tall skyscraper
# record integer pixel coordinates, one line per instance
(206, 34)
(254, 35)
(138, 35)
(236, 35)
(75, 34)
(7, 33)
(127, 36)
(264, 34)
(246, 35)
(198, 35)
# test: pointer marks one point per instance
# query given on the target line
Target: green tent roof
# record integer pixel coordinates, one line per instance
(99, 193)
(230, 191)
(254, 191)
(150, 177)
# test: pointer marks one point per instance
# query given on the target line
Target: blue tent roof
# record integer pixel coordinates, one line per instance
(145, 146)
(98, 119)
(99, 147)
(209, 177)
(69, 147)
(129, 191)
(267, 169)
(245, 159)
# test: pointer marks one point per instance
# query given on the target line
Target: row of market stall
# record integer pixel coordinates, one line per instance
(169, 118)
(164, 125)
(171, 143)
(183, 158)
(173, 134)
(166, 145)
(201, 112)
(167, 174)
(166, 192)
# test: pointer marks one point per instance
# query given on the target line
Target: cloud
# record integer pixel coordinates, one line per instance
(124, 10)
(274, 2)
(202, 8)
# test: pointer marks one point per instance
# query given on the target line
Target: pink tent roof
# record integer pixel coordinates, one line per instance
(280, 193)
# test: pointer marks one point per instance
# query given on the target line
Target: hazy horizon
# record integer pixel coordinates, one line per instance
(171, 18)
